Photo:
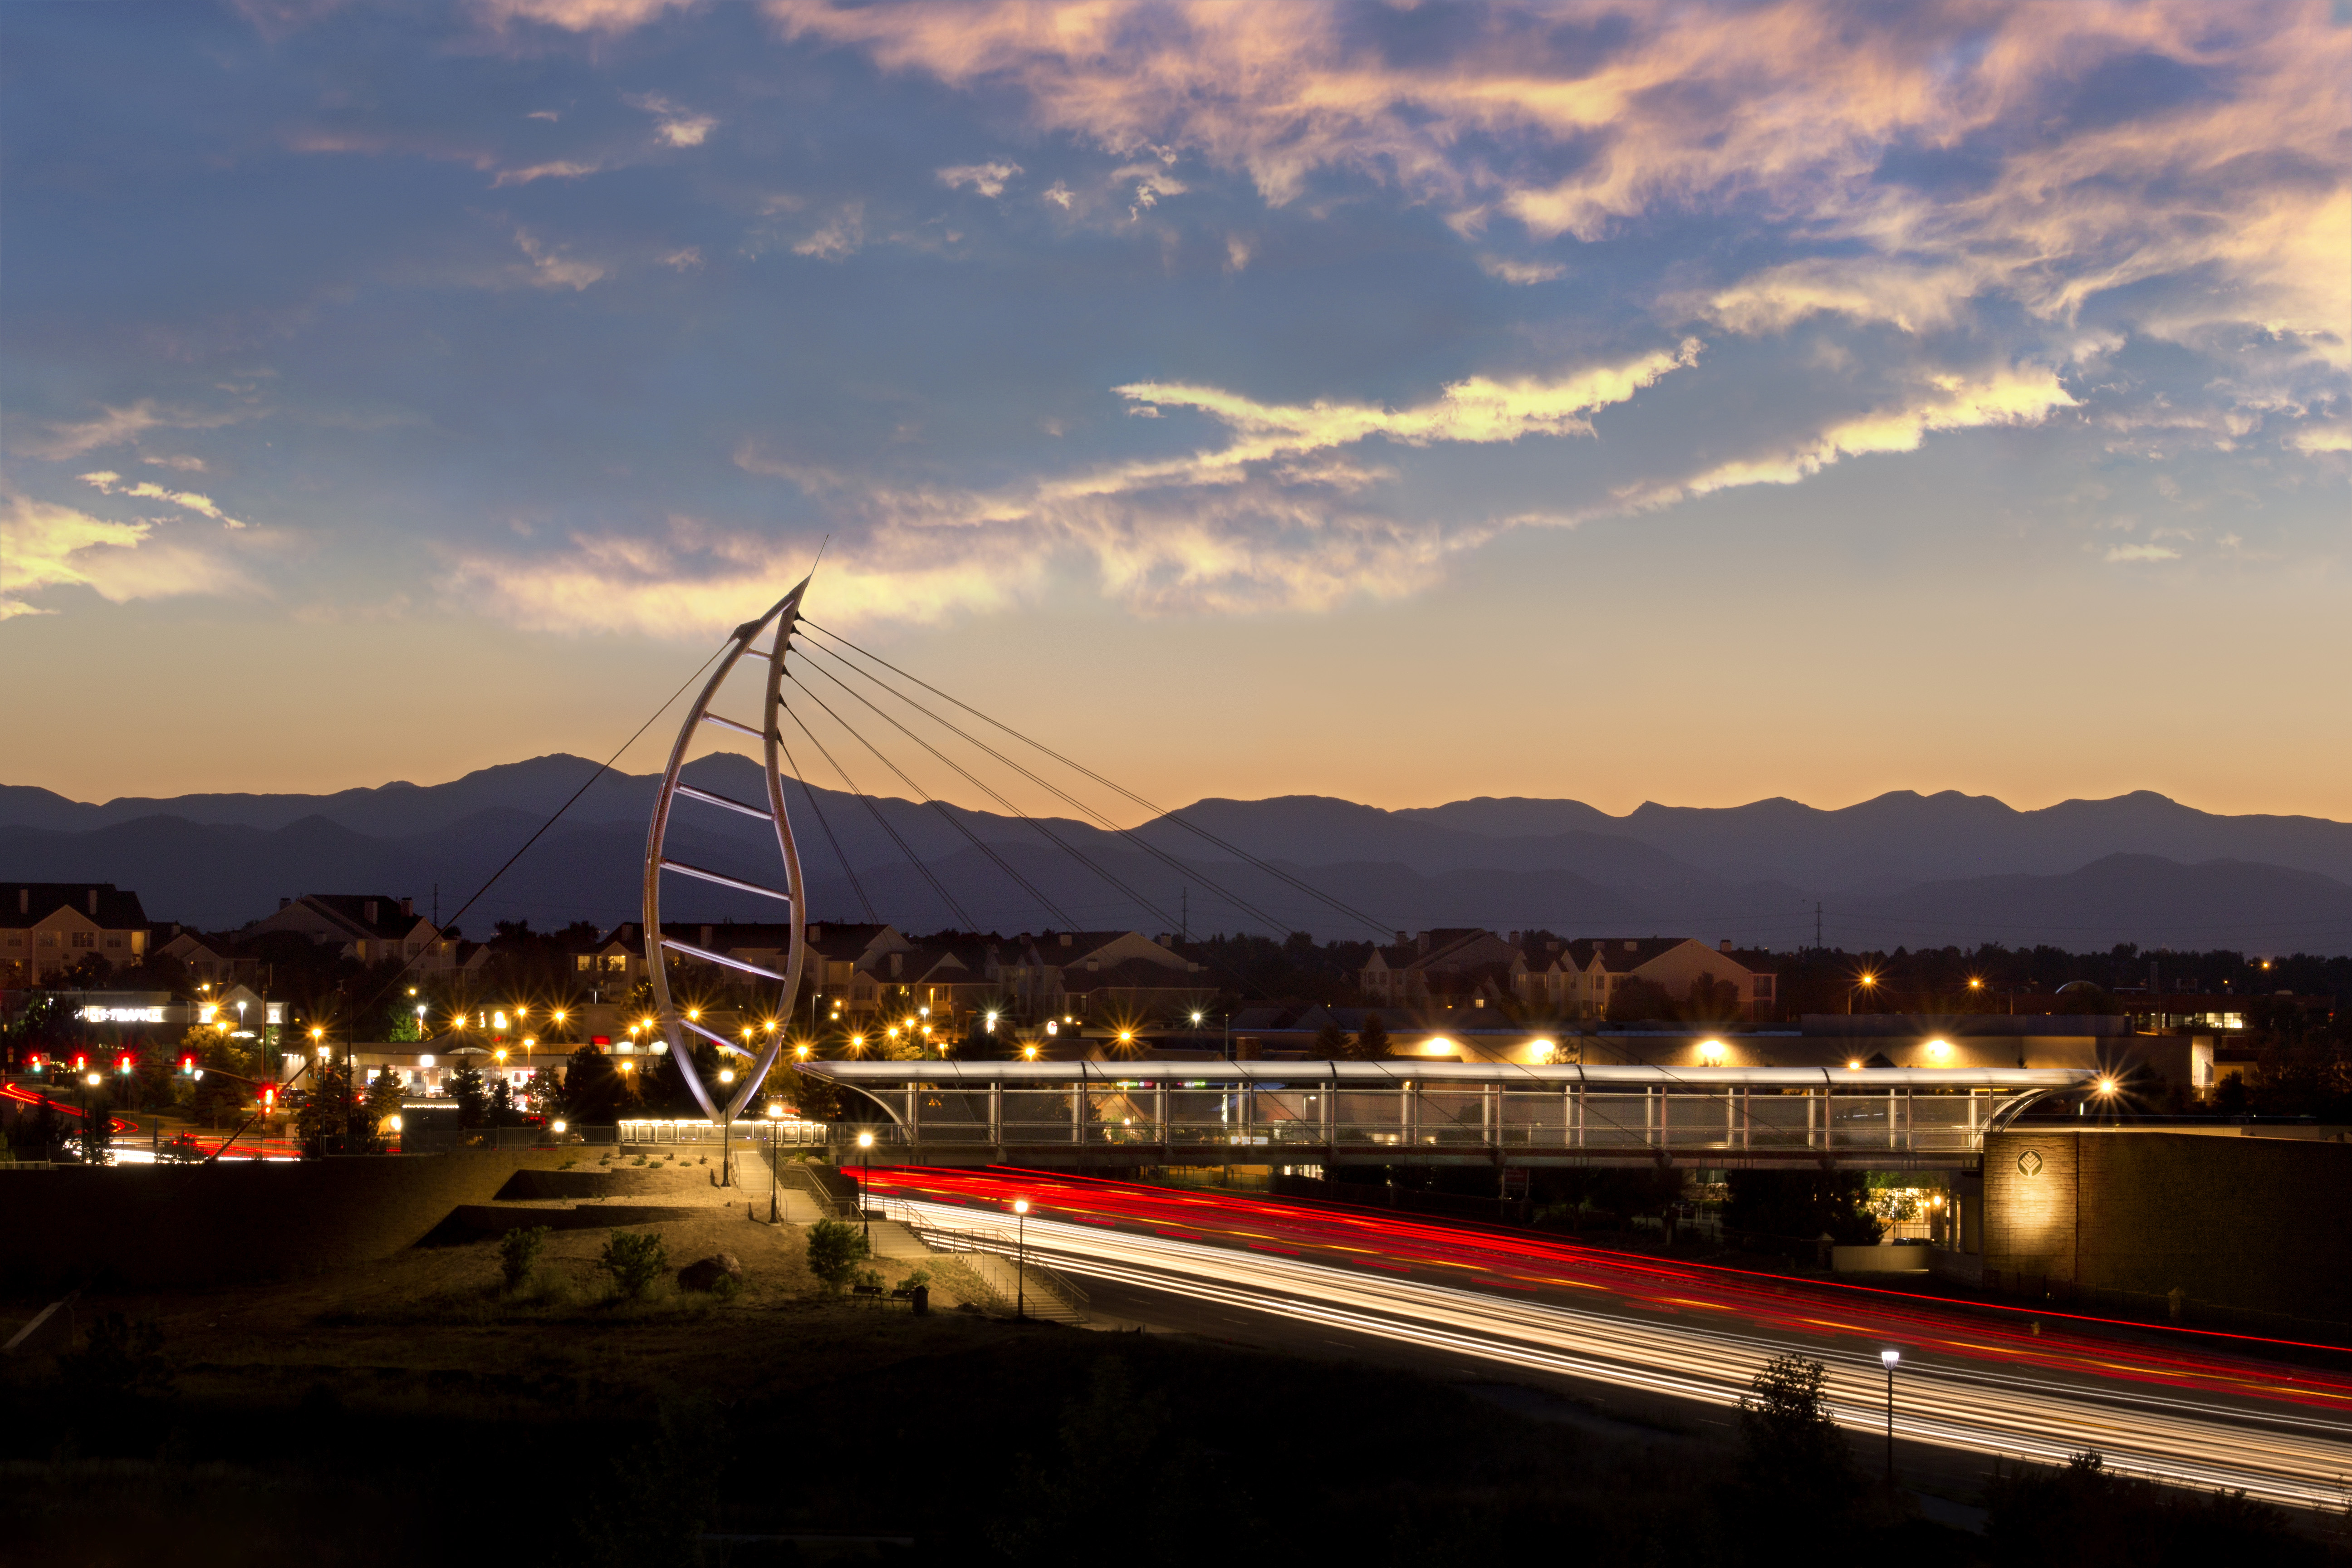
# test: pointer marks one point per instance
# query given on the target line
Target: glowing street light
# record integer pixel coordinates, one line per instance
(1890, 1358)
(1021, 1259)
(866, 1185)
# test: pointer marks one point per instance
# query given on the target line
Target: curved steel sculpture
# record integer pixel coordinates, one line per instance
(675, 1026)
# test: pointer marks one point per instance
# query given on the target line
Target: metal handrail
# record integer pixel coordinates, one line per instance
(993, 1242)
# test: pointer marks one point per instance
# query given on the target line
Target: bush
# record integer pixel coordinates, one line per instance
(519, 1254)
(121, 1358)
(634, 1261)
(2086, 1513)
(836, 1247)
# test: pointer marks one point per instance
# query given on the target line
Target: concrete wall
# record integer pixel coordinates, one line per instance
(163, 1225)
(2250, 1223)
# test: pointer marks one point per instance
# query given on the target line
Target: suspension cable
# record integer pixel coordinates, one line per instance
(1270, 869)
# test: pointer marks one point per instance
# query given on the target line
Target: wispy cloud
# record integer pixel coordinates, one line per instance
(117, 426)
(840, 237)
(989, 179)
(1522, 272)
(561, 169)
(2142, 552)
(578, 15)
(108, 482)
(549, 268)
(1803, 113)
(1267, 518)
(675, 126)
(45, 546)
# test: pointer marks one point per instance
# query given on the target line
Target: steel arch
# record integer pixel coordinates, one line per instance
(782, 619)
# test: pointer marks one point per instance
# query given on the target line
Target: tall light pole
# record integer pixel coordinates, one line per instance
(1020, 1259)
(1890, 1358)
(1863, 983)
(866, 1185)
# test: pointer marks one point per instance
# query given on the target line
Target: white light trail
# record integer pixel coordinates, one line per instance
(2290, 1456)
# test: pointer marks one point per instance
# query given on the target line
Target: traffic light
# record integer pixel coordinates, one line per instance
(188, 1064)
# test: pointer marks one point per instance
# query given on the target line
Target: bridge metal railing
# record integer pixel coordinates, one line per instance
(1440, 1109)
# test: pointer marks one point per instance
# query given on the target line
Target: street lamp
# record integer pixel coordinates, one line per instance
(1020, 1259)
(1890, 1358)
(866, 1185)
(1862, 981)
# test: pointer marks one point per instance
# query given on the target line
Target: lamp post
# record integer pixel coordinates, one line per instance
(1020, 1259)
(1862, 983)
(1890, 1358)
(866, 1185)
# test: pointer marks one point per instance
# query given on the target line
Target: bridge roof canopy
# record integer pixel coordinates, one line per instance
(1392, 1073)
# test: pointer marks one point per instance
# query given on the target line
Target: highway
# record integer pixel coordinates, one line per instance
(2191, 1409)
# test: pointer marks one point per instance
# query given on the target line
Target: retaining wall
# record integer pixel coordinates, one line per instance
(2251, 1223)
(144, 1225)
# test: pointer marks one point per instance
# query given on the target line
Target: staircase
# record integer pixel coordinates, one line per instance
(989, 1257)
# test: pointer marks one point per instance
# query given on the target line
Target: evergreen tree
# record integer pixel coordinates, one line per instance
(1373, 1040)
(465, 1086)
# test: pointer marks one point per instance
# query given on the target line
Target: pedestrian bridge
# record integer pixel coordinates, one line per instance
(1144, 1113)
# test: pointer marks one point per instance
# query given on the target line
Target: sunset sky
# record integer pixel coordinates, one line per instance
(1402, 403)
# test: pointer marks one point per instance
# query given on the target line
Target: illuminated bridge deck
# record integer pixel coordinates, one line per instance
(1147, 1113)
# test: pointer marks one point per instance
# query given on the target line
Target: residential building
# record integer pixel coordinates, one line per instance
(47, 927)
(368, 927)
(1458, 967)
(1101, 974)
(1579, 979)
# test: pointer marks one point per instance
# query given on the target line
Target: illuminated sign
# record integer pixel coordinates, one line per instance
(121, 1015)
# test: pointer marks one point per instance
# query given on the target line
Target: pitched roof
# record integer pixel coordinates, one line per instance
(375, 916)
(29, 904)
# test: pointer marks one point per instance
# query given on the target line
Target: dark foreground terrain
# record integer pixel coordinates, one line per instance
(415, 1411)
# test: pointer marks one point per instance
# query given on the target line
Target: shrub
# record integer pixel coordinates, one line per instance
(634, 1261)
(121, 1358)
(836, 1247)
(519, 1254)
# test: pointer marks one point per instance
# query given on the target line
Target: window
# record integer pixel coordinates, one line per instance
(114, 939)
(1763, 988)
(85, 939)
(46, 938)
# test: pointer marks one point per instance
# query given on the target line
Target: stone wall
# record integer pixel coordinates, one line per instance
(2254, 1224)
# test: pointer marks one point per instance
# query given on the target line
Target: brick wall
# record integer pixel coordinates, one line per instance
(2250, 1223)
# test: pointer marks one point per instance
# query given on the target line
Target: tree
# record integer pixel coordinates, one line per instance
(383, 1097)
(518, 1255)
(835, 1248)
(334, 1119)
(1638, 999)
(95, 1137)
(1330, 1044)
(634, 1261)
(1799, 1205)
(593, 1091)
(464, 1087)
(504, 1112)
(1372, 1040)
(1795, 1465)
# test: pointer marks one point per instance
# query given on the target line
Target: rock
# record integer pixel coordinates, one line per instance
(706, 1273)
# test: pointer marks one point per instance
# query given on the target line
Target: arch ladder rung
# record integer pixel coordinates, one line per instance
(723, 879)
(674, 946)
(730, 724)
(690, 793)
